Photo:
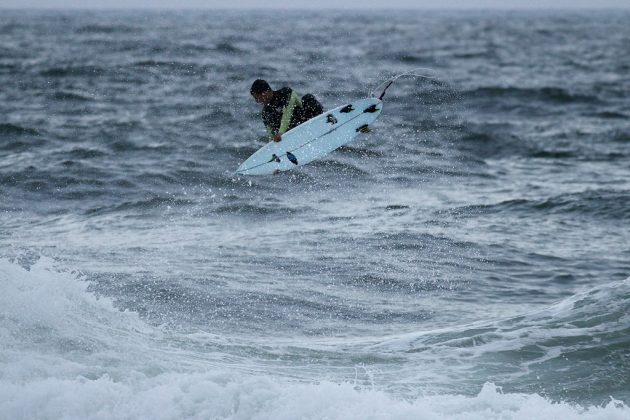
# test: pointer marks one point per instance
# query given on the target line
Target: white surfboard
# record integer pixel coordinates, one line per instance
(313, 139)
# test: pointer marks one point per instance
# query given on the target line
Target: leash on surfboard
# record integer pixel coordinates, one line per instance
(380, 98)
(391, 80)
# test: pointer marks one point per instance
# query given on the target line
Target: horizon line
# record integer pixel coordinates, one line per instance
(309, 8)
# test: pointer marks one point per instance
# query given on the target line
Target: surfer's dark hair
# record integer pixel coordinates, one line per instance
(259, 86)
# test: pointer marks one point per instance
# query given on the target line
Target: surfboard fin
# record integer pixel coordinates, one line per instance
(363, 129)
(371, 109)
(292, 158)
(274, 158)
(346, 109)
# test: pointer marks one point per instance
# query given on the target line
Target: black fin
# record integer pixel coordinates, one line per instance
(292, 158)
(346, 109)
(330, 118)
(363, 129)
(371, 109)
(274, 158)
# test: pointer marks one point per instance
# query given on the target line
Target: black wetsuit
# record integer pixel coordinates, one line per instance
(287, 110)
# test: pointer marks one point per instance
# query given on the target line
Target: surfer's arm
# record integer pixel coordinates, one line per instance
(287, 112)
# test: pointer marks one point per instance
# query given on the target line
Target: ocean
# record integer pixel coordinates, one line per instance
(467, 259)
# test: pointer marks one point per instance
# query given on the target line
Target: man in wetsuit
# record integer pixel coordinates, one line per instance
(283, 109)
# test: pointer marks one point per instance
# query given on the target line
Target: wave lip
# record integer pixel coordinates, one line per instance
(104, 29)
(608, 204)
(142, 205)
(72, 71)
(228, 47)
(9, 129)
(553, 350)
(64, 95)
(555, 95)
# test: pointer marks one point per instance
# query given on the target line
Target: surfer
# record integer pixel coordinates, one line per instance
(283, 109)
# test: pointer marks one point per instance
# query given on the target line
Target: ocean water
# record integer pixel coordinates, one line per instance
(467, 259)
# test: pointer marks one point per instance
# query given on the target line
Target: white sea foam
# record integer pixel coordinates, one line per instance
(219, 396)
(67, 354)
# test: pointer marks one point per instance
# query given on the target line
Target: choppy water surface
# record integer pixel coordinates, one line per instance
(469, 258)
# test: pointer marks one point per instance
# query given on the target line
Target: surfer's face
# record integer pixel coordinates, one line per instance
(264, 97)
